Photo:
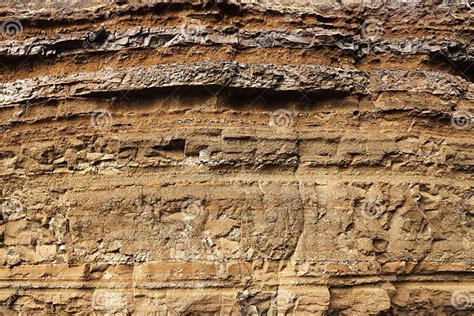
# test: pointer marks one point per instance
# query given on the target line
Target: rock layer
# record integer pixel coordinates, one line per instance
(236, 158)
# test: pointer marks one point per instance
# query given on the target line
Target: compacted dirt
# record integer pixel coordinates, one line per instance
(236, 157)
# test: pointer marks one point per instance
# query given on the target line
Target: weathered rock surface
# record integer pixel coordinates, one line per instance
(236, 158)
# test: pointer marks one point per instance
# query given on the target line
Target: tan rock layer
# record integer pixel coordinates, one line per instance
(153, 294)
(199, 143)
(191, 184)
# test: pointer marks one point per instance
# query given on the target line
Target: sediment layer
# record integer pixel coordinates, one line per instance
(232, 158)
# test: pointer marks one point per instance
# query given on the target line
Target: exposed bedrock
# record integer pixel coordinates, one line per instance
(236, 158)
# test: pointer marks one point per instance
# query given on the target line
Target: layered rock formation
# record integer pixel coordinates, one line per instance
(236, 158)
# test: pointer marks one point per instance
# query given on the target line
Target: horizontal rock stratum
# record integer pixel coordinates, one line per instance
(236, 157)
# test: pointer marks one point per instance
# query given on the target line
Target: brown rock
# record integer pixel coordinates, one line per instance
(236, 157)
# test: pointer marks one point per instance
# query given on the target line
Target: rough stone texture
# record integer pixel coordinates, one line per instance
(236, 158)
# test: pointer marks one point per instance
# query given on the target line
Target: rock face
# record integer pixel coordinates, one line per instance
(236, 158)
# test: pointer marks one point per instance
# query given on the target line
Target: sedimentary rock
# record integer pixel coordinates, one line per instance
(236, 158)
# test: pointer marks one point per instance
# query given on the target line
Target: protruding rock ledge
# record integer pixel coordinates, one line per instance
(306, 78)
(108, 41)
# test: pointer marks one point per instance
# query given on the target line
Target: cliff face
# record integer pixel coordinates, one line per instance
(236, 158)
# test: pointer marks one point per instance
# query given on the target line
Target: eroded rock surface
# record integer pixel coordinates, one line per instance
(236, 158)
